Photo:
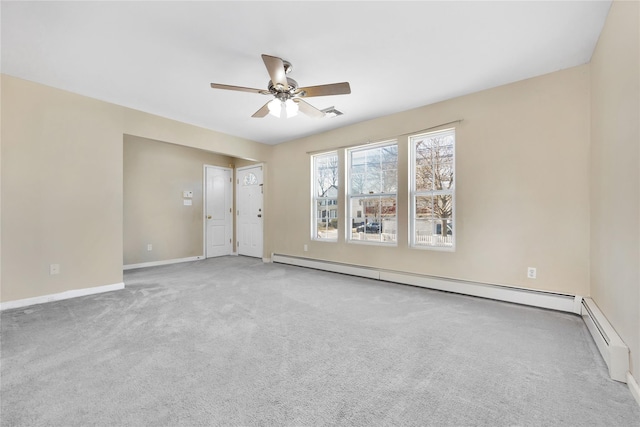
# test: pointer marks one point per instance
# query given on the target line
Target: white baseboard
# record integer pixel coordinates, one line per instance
(60, 296)
(542, 299)
(531, 297)
(613, 350)
(633, 387)
(164, 262)
(327, 266)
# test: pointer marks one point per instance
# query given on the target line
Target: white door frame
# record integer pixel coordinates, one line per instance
(237, 223)
(204, 207)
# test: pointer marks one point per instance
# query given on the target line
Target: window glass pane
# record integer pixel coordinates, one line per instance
(390, 181)
(424, 207)
(438, 206)
(434, 163)
(433, 189)
(389, 157)
(357, 183)
(250, 179)
(373, 219)
(427, 234)
(326, 221)
(374, 170)
(433, 214)
(372, 180)
(325, 192)
(358, 159)
(326, 175)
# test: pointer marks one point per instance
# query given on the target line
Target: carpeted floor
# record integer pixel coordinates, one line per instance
(233, 341)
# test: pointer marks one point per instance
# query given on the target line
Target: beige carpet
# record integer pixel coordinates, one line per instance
(233, 341)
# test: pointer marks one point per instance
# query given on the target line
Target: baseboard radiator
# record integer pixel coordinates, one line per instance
(550, 300)
(614, 351)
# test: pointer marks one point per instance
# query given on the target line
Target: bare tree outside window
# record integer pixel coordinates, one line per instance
(325, 199)
(433, 189)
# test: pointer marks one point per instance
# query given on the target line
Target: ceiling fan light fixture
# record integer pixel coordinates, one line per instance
(283, 109)
(275, 106)
(291, 108)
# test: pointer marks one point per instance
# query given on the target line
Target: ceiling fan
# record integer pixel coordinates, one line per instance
(287, 95)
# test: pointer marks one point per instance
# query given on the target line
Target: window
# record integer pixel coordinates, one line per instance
(325, 197)
(372, 193)
(250, 179)
(433, 190)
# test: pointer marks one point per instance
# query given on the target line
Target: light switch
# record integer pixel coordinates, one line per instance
(187, 202)
(187, 194)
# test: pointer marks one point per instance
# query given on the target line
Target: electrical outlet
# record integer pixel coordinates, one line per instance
(531, 273)
(54, 269)
(149, 247)
(306, 248)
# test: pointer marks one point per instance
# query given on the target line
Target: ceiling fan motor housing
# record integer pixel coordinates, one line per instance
(293, 86)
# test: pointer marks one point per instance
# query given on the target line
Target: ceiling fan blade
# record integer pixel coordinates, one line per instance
(239, 88)
(275, 67)
(262, 111)
(324, 90)
(308, 109)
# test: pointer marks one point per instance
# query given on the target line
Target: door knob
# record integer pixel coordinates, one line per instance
(259, 215)
(208, 216)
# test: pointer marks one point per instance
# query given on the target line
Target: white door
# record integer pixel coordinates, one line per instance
(249, 211)
(218, 211)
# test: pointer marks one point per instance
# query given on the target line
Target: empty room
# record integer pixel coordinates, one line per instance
(358, 213)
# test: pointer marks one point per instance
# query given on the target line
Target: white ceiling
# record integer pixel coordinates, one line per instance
(160, 57)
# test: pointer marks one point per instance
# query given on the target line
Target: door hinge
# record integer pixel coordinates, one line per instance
(238, 181)
(230, 179)
(229, 241)
(237, 243)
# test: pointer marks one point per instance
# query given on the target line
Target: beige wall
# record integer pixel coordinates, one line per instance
(146, 125)
(155, 175)
(62, 184)
(615, 181)
(61, 192)
(522, 187)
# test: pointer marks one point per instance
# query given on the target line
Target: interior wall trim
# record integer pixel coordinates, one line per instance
(60, 296)
(163, 262)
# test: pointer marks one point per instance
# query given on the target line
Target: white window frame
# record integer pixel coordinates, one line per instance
(414, 193)
(328, 201)
(350, 195)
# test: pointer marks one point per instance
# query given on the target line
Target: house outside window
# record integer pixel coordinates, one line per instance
(325, 197)
(372, 193)
(433, 190)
